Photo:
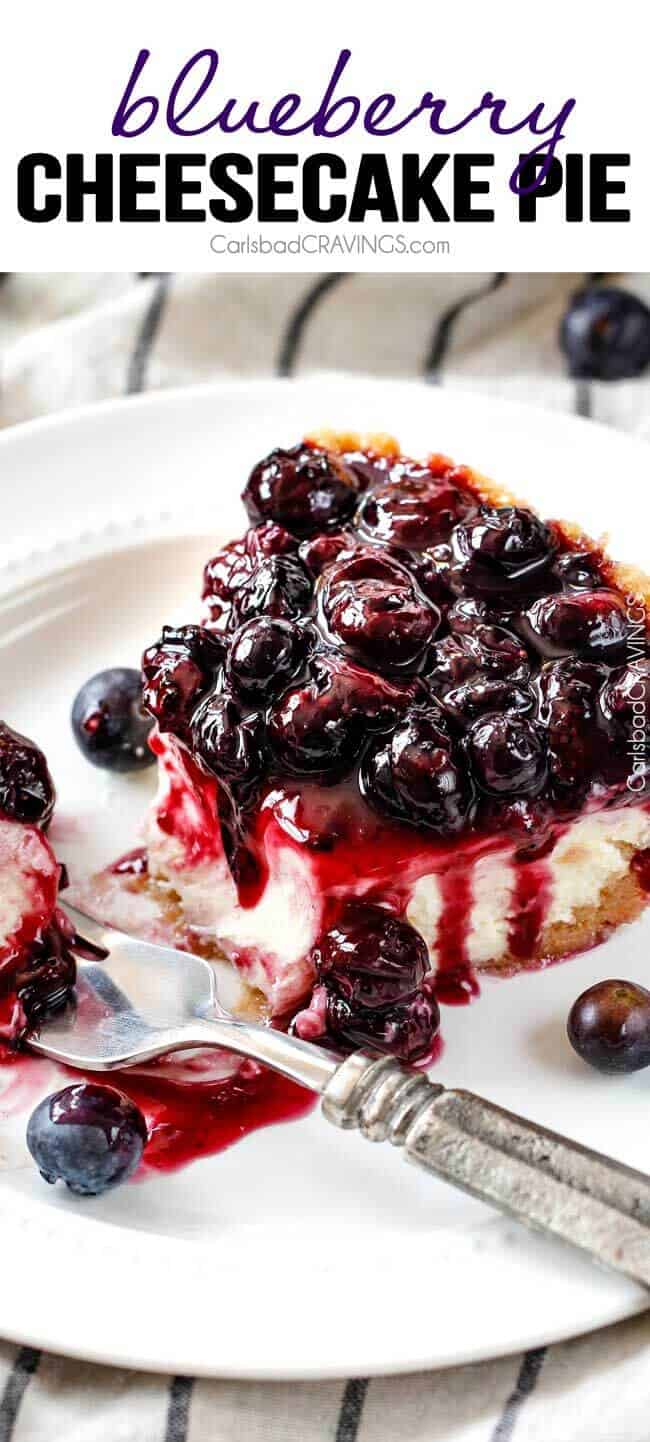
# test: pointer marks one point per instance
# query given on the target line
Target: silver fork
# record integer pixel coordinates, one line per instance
(149, 1000)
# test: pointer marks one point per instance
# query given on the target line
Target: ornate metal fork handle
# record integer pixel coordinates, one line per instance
(544, 1180)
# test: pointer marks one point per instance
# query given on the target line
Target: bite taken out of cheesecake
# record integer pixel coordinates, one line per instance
(403, 744)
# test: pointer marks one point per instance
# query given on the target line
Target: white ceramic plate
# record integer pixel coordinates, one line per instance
(302, 1251)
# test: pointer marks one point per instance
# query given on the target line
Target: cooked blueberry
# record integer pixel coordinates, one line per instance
(465, 703)
(592, 624)
(416, 513)
(227, 741)
(109, 722)
(269, 540)
(578, 570)
(89, 1136)
(311, 732)
(468, 612)
(47, 974)
(304, 489)
(26, 788)
(415, 776)
(277, 586)
(503, 551)
(372, 606)
(625, 696)
(264, 656)
(406, 1029)
(625, 706)
(605, 334)
(609, 1026)
(507, 755)
(568, 713)
(223, 575)
(177, 670)
(373, 967)
(320, 551)
(489, 651)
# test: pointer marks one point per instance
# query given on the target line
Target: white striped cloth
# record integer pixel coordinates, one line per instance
(67, 339)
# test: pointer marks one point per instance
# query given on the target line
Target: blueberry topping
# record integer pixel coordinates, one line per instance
(568, 714)
(303, 489)
(578, 570)
(321, 551)
(227, 741)
(89, 1136)
(502, 551)
(373, 608)
(277, 586)
(489, 651)
(416, 776)
(609, 1026)
(605, 334)
(109, 722)
(472, 699)
(456, 665)
(223, 575)
(417, 513)
(591, 624)
(374, 968)
(46, 976)
(177, 671)
(507, 755)
(26, 788)
(265, 655)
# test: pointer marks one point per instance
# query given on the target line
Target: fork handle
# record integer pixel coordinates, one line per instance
(552, 1184)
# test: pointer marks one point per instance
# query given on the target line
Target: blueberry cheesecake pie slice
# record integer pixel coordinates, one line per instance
(403, 744)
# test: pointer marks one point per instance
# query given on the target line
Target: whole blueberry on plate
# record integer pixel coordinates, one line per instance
(605, 334)
(89, 1136)
(609, 1026)
(109, 722)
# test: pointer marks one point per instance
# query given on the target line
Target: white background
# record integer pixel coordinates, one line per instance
(65, 68)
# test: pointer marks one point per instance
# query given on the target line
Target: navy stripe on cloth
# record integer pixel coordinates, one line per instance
(526, 1383)
(298, 321)
(137, 373)
(16, 1385)
(442, 336)
(354, 1397)
(178, 1408)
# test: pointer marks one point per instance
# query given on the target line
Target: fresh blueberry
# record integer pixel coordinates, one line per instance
(605, 334)
(609, 1026)
(89, 1136)
(26, 788)
(109, 722)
